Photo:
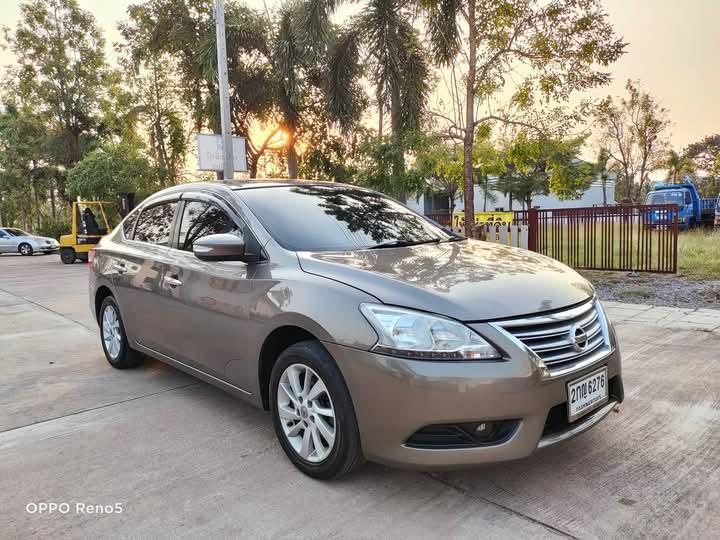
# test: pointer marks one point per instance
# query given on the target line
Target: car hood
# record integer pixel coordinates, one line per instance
(42, 239)
(466, 280)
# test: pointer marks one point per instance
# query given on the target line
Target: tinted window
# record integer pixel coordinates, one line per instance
(688, 200)
(154, 224)
(129, 223)
(323, 218)
(17, 232)
(201, 219)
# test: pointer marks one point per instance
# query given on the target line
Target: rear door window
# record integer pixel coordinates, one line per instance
(129, 223)
(155, 223)
(201, 219)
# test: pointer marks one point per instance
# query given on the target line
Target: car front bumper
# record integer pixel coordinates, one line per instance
(394, 398)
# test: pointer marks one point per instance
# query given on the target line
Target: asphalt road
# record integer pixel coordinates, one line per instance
(185, 459)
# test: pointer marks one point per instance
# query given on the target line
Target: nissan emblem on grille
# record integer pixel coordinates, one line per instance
(563, 338)
(579, 338)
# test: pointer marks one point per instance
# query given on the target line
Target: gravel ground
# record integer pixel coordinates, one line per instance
(656, 289)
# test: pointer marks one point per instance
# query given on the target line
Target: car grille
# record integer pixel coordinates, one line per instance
(564, 338)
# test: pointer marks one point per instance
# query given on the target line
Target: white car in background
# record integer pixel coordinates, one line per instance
(14, 240)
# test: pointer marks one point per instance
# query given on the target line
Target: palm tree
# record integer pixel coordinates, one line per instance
(602, 170)
(382, 45)
(678, 166)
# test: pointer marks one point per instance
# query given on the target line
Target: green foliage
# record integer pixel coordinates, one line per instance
(678, 167)
(379, 161)
(441, 166)
(705, 153)
(55, 228)
(61, 70)
(539, 165)
(112, 169)
(25, 175)
(381, 44)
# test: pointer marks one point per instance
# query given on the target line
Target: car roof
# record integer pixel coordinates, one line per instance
(217, 186)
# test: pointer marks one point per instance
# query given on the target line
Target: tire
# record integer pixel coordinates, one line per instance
(25, 249)
(67, 255)
(344, 453)
(113, 338)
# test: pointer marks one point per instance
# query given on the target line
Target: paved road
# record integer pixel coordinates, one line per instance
(185, 459)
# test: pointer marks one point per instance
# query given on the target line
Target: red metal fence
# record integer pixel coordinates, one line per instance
(640, 238)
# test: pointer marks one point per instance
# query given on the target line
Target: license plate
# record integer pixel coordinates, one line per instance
(587, 394)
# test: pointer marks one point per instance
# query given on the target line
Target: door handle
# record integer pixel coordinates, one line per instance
(119, 268)
(171, 282)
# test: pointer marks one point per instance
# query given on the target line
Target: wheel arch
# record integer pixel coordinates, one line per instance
(275, 343)
(101, 294)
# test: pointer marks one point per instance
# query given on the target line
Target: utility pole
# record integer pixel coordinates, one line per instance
(228, 164)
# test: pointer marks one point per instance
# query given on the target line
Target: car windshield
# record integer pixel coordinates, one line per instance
(665, 197)
(329, 218)
(17, 232)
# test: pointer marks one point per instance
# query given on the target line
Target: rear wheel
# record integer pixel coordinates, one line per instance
(313, 413)
(67, 255)
(113, 337)
(25, 249)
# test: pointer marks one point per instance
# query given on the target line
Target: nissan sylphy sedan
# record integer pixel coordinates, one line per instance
(368, 331)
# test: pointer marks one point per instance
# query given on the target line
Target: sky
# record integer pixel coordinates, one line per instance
(674, 51)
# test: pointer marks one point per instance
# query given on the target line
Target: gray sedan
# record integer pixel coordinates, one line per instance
(367, 330)
(18, 241)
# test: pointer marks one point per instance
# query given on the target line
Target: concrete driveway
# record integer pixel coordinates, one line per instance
(184, 459)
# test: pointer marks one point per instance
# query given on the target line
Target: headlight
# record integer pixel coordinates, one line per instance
(417, 335)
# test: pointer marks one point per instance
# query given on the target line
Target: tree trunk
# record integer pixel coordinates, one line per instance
(398, 165)
(469, 139)
(292, 158)
(52, 200)
(381, 112)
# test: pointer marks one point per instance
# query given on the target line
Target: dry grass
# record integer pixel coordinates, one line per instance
(699, 254)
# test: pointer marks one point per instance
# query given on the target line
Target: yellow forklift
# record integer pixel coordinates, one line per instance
(89, 225)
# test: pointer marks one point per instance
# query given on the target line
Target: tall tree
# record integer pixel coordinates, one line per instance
(678, 167)
(382, 43)
(61, 69)
(634, 130)
(704, 153)
(25, 173)
(601, 169)
(563, 46)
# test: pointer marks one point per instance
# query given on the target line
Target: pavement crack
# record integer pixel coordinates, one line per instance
(75, 413)
(470, 495)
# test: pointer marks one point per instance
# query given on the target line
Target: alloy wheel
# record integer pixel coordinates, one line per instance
(111, 333)
(25, 249)
(306, 413)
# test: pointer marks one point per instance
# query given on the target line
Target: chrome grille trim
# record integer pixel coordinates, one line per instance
(547, 337)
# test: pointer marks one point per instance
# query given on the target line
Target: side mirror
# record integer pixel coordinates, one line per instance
(220, 247)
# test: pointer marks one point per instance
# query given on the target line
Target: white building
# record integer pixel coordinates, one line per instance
(430, 203)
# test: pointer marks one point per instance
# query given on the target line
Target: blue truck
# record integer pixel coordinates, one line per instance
(692, 209)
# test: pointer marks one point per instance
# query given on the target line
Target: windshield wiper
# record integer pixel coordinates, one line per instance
(403, 243)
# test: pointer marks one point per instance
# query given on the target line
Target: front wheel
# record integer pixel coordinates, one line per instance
(25, 249)
(313, 413)
(67, 255)
(113, 337)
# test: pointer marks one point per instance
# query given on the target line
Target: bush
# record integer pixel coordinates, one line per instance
(55, 228)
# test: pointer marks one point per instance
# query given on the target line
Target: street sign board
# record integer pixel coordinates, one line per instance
(210, 152)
